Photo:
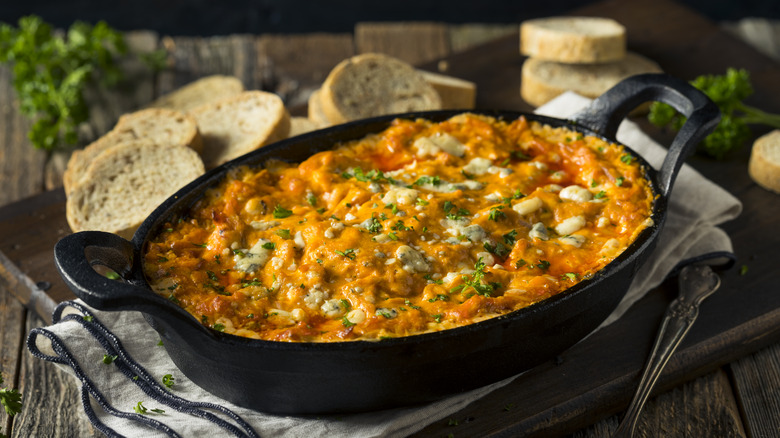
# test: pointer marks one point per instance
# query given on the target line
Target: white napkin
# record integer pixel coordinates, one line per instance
(112, 390)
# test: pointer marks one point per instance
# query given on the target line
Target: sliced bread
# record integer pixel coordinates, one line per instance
(573, 40)
(455, 93)
(315, 110)
(239, 124)
(161, 125)
(374, 84)
(764, 164)
(126, 182)
(200, 92)
(301, 125)
(542, 80)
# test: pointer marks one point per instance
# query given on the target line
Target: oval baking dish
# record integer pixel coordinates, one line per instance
(308, 377)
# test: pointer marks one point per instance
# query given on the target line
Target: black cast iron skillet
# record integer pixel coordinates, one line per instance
(307, 378)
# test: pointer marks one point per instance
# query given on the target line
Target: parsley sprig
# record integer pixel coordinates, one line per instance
(728, 91)
(51, 73)
(476, 283)
(11, 400)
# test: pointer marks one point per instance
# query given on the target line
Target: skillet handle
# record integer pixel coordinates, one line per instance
(604, 115)
(78, 258)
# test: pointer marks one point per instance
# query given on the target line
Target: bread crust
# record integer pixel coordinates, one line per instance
(543, 80)
(374, 84)
(199, 92)
(177, 128)
(573, 40)
(239, 124)
(126, 182)
(764, 163)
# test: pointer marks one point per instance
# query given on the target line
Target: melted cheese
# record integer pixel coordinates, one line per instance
(423, 227)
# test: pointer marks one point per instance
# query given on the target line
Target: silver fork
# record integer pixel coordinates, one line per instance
(697, 282)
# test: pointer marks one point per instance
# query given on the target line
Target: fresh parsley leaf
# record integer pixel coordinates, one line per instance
(140, 408)
(168, 380)
(496, 213)
(269, 245)
(284, 233)
(281, 212)
(11, 400)
(348, 253)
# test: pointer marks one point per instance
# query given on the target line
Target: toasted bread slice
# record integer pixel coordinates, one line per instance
(301, 125)
(455, 93)
(126, 182)
(161, 125)
(573, 40)
(764, 164)
(239, 124)
(200, 92)
(315, 110)
(373, 84)
(542, 80)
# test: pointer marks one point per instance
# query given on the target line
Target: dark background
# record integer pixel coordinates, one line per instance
(221, 17)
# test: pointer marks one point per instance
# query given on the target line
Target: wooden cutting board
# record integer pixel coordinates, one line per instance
(597, 377)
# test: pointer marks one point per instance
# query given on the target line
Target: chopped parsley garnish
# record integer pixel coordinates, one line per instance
(269, 245)
(432, 280)
(284, 233)
(475, 282)
(349, 253)
(399, 226)
(601, 194)
(520, 263)
(212, 276)
(219, 327)
(510, 237)
(459, 212)
(518, 194)
(409, 303)
(374, 226)
(619, 181)
(109, 358)
(320, 210)
(168, 380)
(254, 282)
(423, 180)
(520, 155)
(627, 158)
(438, 297)
(346, 322)
(111, 275)
(281, 212)
(238, 252)
(543, 265)
(311, 199)
(496, 213)
(139, 408)
(345, 303)
(421, 201)
(569, 275)
(498, 249)
(437, 317)
(200, 245)
(393, 208)
(392, 235)
(87, 318)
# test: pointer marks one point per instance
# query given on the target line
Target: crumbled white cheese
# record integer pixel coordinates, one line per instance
(575, 193)
(400, 196)
(264, 225)
(411, 260)
(575, 240)
(333, 308)
(478, 166)
(538, 231)
(315, 297)
(528, 206)
(254, 259)
(570, 225)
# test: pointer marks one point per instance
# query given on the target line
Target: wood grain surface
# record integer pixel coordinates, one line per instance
(715, 386)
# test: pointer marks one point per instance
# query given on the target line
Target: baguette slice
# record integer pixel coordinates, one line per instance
(573, 40)
(315, 110)
(125, 183)
(542, 80)
(200, 92)
(373, 84)
(161, 125)
(301, 125)
(454, 93)
(239, 124)
(764, 164)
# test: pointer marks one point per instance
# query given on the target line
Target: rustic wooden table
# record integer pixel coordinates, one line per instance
(740, 397)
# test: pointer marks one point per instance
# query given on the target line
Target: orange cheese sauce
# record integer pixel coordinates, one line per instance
(423, 227)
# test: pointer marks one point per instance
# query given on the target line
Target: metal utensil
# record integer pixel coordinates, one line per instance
(697, 282)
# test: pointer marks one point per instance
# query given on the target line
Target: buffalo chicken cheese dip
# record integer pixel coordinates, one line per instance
(422, 227)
